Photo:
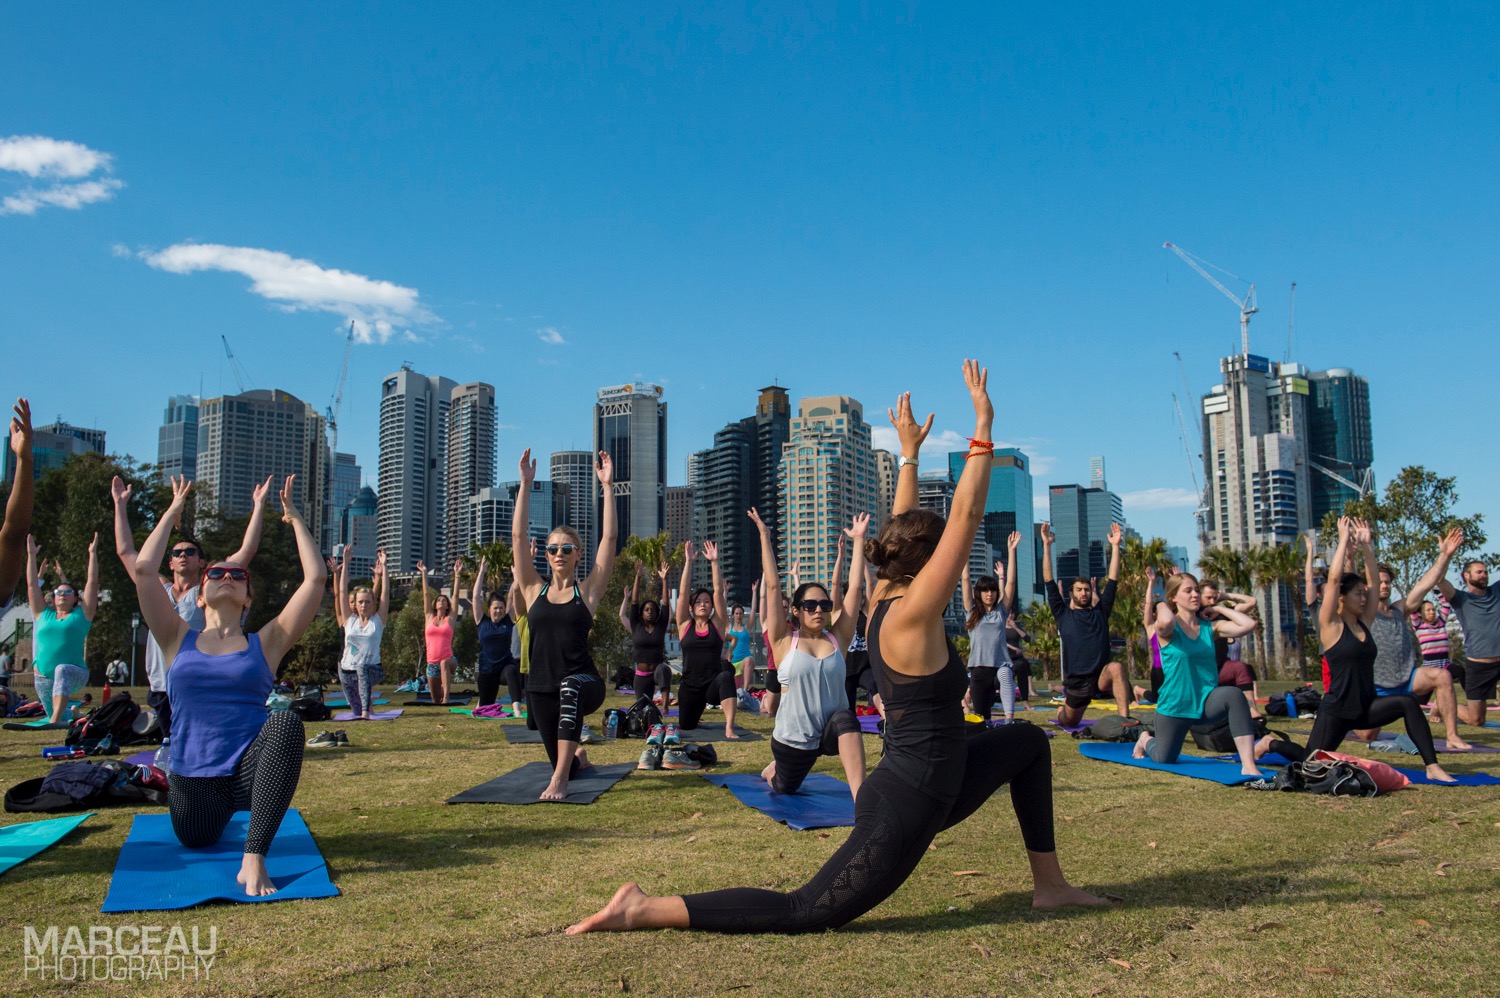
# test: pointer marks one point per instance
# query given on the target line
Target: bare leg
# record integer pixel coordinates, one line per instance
(1114, 682)
(630, 909)
(771, 702)
(558, 788)
(448, 668)
(253, 875)
(1439, 683)
(1250, 698)
(1068, 717)
(852, 755)
(1245, 746)
(728, 706)
(59, 706)
(1472, 713)
(1049, 888)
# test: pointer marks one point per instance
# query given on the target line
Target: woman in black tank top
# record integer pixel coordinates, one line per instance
(563, 686)
(702, 620)
(646, 623)
(930, 777)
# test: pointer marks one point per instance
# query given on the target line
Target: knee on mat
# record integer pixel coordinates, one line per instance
(194, 836)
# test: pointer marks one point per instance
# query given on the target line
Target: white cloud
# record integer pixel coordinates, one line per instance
(547, 334)
(62, 166)
(940, 443)
(1149, 499)
(378, 309)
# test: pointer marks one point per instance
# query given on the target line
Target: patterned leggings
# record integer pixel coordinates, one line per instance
(359, 684)
(893, 825)
(262, 783)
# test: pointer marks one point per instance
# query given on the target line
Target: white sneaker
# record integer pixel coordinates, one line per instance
(586, 736)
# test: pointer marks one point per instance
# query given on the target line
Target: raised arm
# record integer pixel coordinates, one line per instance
(524, 569)
(251, 542)
(843, 628)
(18, 507)
(1148, 606)
(478, 592)
(379, 585)
(1012, 543)
(685, 588)
(1243, 602)
(341, 588)
(773, 612)
(604, 560)
(1116, 535)
(721, 607)
(1230, 622)
(911, 436)
(156, 606)
(124, 541)
(1328, 610)
(1047, 538)
(33, 589)
(966, 588)
(1163, 621)
(458, 575)
(90, 599)
(288, 626)
(1447, 548)
(1309, 572)
(628, 598)
(426, 599)
(665, 613)
(1363, 535)
(838, 573)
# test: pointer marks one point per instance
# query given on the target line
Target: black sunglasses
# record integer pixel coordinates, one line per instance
(814, 605)
(219, 572)
(560, 549)
(183, 552)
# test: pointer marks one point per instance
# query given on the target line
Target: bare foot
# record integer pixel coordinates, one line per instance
(730, 735)
(617, 916)
(1436, 772)
(1263, 746)
(583, 759)
(253, 875)
(769, 773)
(1251, 769)
(1456, 744)
(556, 790)
(1063, 895)
(1142, 744)
(365, 717)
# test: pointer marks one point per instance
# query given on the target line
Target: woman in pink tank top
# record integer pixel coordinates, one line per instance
(439, 633)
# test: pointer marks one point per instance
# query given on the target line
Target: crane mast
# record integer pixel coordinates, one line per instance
(1247, 305)
(333, 408)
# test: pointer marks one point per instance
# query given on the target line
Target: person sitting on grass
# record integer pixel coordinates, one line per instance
(229, 752)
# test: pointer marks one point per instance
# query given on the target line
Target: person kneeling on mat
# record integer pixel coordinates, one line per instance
(229, 753)
(814, 718)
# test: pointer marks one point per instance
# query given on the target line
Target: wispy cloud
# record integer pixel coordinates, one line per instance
(940, 443)
(379, 309)
(61, 167)
(548, 334)
(1149, 499)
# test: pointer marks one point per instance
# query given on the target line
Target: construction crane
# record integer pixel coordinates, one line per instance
(338, 394)
(1363, 487)
(1200, 515)
(1246, 304)
(240, 377)
(1291, 319)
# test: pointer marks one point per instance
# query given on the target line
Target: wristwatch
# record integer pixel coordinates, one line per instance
(902, 462)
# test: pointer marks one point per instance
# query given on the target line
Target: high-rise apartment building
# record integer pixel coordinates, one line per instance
(52, 446)
(344, 489)
(413, 473)
(1008, 506)
(471, 462)
(1080, 520)
(828, 474)
(935, 493)
(679, 514)
(885, 492)
(243, 438)
(575, 469)
(630, 423)
(1339, 439)
(359, 523)
(177, 438)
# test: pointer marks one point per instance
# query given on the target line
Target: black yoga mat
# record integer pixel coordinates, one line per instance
(519, 734)
(525, 785)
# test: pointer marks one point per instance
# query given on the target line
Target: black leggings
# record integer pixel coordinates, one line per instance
(489, 687)
(793, 764)
(263, 783)
(1328, 731)
(865, 680)
(645, 686)
(692, 700)
(893, 825)
(559, 716)
(515, 683)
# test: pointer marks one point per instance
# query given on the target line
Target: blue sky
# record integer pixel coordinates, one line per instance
(845, 199)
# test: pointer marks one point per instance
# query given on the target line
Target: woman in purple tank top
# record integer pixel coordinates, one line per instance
(229, 753)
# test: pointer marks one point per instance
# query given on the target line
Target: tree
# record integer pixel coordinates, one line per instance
(403, 649)
(609, 644)
(1041, 635)
(315, 658)
(1136, 556)
(498, 559)
(1275, 567)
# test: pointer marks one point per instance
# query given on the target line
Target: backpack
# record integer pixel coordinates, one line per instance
(105, 726)
(310, 691)
(1115, 728)
(639, 719)
(310, 709)
(74, 786)
(1218, 737)
(1333, 777)
(1307, 699)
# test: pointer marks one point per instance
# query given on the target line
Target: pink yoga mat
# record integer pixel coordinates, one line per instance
(379, 715)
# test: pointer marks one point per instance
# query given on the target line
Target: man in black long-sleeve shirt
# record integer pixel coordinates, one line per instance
(1083, 626)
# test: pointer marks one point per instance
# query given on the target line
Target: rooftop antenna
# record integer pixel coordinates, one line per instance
(1291, 318)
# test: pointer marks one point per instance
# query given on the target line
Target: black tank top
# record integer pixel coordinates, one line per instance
(859, 648)
(924, 719)
(650, 646)
(1351, 675)
(559, 641)
(702, 654)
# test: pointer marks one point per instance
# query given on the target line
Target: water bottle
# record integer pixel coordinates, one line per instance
(1291, 706)
(163, 760)
(62, 752)
(611, 725)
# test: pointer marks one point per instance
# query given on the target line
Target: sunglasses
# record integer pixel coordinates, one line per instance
(561, 548)
(219, 572)
(814, 605)
(184, 552)
(64, 592)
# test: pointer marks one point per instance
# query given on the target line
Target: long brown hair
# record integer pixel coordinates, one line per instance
(904, 544)
(986, 584)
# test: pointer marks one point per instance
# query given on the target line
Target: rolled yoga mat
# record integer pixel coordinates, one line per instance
(821, 801)
(525, 785)
(21, 841)
(1192, 766)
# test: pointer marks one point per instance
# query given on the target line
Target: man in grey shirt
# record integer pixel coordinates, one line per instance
(1477, 605)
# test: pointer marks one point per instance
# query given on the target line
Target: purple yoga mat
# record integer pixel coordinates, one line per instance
(145, 758)
(1077, 727)
(869, 724)
(379, 715)
(1441, 744)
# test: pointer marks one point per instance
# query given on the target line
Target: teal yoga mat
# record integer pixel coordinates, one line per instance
(20, 842)
(1194, 767)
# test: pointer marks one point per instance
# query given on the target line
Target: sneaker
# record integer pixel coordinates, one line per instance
(586, 736)
(650, 758)
(341, 739)
(654, 737)
(678, 759)
(323, 739)
(671, 737)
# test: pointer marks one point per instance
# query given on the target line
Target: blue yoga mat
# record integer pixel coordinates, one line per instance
(1196, 767)
(18, 843)
(344, 702)
(821, 801)
(155, 872)
(1463, 779)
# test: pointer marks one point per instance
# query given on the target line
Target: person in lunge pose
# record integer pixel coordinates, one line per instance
(495, 628)
(931, 776)
(701, 623)
(438, 635)
(1190, 693)
(1477, 605)
(1083, 626)
(61, 630)
(1234, 671)
(564, 685)
(989, 659)
(813, 718)
(359, 669)
(1344, 624)
(646, 623)
(229, 753)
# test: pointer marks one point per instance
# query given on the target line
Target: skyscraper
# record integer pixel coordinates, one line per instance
(828, 474)
(1339, 439)
(724, 488)
(470, 461)
(544, 511)
(1007, 507)
(679, 514)
(885, 492)
(177, 438)
(1080, 520)
(344, 488)
(630, 423)
(935, 494)
(51, 446)
(575, 469)
(359, 522)
(413, 468)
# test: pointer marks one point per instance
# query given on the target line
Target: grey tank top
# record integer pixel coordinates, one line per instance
(987, 640)
(811, 690)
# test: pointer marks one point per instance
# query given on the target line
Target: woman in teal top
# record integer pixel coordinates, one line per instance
(1190, 693)
(61, 630)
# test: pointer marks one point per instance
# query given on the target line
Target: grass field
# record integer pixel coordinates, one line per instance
(1223, 891)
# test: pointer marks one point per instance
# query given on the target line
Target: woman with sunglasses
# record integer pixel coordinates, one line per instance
(438, 636)
(989, 659)
(702, 621)
(813, 718)
(229, 753)
(931, 776)
(564, 686)
(363, 622)
(646, 623)
(61, 630)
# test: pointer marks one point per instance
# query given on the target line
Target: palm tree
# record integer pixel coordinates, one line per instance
(498, 559)
(1275, 567)
(1136, 556)
(1231, 570)
(1041, 634)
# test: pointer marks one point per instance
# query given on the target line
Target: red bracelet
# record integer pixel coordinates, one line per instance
(986, 444)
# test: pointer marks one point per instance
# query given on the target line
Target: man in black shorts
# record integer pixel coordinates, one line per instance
(1477, 605)
(1083, 626)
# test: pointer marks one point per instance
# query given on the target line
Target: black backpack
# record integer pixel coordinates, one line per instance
(1308, 698)
(1333, 777)
(310, 691)
(1218, 737)
(311, 710)
(1115, 728)
(639, 719)
(113, 721)
(118, 783)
